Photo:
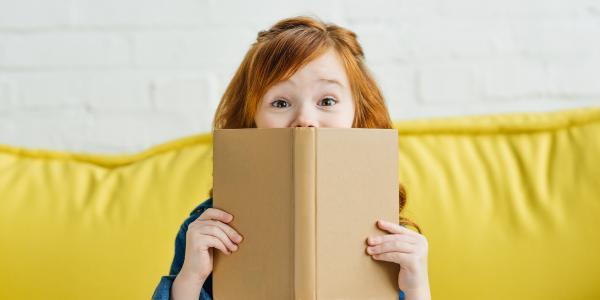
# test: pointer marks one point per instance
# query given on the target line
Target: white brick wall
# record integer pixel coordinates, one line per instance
(116, 76)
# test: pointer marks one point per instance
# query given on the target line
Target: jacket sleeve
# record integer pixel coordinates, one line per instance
(401, 295)
(163, 289)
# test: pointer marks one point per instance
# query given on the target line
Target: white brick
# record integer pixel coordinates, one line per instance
(557, 37)
(99, 90)
(48, 90)
(222, 80)
(380, 44)
(55, 129)
(576, 78)
(28, 14)
(181, 93)
(118, 90)
(192, 97)
(591, 7)
(443, 38)
(136, 13)
(514, 8)
(8, 131)
(537, 79)
(65, 49)
(2, 46)
(397, 84)
(515, 78)
(120, 76)
(215, 48)
(7, 96)
(262, 14)
(134, 131)
(434, 110)
(357, 11)
(447, 82)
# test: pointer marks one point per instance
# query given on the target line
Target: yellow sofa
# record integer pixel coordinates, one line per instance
(510, 204)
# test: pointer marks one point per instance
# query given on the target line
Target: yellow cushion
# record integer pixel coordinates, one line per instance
(509, 204)
(95, 227)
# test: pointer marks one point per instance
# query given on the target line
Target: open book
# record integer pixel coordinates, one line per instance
(305, 200)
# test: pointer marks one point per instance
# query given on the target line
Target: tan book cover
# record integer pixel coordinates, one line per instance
(305, 200)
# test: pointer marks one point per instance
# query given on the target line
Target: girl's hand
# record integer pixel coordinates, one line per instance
(206, 232)
(406, 248)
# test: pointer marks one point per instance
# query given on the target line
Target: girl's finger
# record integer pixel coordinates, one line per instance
(215, 231)
(216, 214)
(231, 233)
(393, 227)
(395, 257)
(391, 246)
(216, 243)
(374, 240)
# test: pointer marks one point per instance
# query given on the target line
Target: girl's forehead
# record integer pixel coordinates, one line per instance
(327, 68)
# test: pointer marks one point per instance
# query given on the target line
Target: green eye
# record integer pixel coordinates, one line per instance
(279, 101)
(333, 101)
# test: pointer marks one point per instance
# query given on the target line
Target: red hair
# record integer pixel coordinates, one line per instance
(282, 50)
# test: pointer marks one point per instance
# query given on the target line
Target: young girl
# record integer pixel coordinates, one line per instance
(300, 72)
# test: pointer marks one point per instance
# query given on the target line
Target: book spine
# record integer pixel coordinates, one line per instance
(304, 172)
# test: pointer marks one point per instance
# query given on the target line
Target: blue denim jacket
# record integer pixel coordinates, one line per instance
(163, 289)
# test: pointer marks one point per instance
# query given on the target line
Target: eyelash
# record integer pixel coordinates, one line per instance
(336, 101)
